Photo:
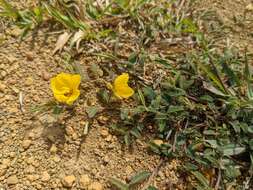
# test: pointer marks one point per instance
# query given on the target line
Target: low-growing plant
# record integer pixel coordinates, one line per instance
(202, 111)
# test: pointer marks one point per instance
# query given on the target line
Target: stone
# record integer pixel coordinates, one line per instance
(16, 31)
(2, 87)
(104, 132)
(12, 180)
(32, 177)
(6, 163)
(102, 119)
(47, 119)
(45, 176)
(29, 81)
(249, 7)
(56, 159)
(95, 186)
(26, 143)
(106, 159)
(29, 56)
(158, 142)
(53, 149)
(108, 138)
(46, 76)
(84, 181)
(3, 170)
(3, 74)
(129, 170)
(70, 131)
(68, 181)
(12, 154)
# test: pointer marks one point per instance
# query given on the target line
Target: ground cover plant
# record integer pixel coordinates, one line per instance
(163, 78)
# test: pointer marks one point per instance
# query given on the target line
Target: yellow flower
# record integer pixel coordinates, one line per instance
(120, 87)
(65, 87)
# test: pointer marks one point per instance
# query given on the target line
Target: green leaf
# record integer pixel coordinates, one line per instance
(151, 188)
(92, 111)
(247, 75)
(212, 143)
(201, 178)
(142, 98)
(118, 129)
(133, 58)
(213, 89)
(175, 92)
(119, 184)
(139, 177)
(232, 172)
(104, 96)
(189, 166)
(232, 77)
(213, 76)
(9, 11)
(96, 70)
(57, 110)
(135, 132)
(174, 109)
(232, 149)
(127, 139)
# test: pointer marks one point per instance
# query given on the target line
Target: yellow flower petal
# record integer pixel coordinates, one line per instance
(65, 87)
(121, 88)
(73, 97)
(124, 92)
(61, 98)
(76, 80)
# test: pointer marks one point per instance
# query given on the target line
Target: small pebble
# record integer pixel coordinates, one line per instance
(95, 186)
(12, 180)
(84, 181)
(68, 181)
(26, 144)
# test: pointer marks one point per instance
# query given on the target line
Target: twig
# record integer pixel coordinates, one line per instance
(218, 180)
(21, 102)
(154, 173)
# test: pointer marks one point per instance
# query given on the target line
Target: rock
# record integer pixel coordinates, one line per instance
(108, 138)
(158, 142)
(95, 186)
(29, 81)
(68, 181)
(6, 163)
(32, 178)
(15, 90)
(15, 32)
(12, 154)
(45, 176)
(129, 170)
(106, 159)
(53, 149)
(29, 56)
(249, 7)
(46, 76)
(3, 74)
(26, 144)
(56, 159)
(70, 131)
(84, 181)
(47, 119)
(3, 170)
(12, 180)
(104, 132)
(102, 119)
(2, 87)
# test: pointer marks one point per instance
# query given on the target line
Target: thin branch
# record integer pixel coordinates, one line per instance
(154, 173)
